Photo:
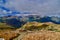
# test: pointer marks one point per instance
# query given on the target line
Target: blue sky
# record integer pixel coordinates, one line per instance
(42, 7)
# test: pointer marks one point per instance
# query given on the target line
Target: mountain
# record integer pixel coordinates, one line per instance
(53, 19)
(5, 26)
(41, 26)
(18, 21)
(44, 19)
(34, 29)
(14, 22)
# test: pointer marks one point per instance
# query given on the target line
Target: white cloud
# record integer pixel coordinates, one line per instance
(43, 7)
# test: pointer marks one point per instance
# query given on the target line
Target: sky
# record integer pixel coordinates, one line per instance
(40, 7)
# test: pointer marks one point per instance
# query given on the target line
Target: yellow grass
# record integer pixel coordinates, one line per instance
(32, 31)
(42, 35)
(41, 26)
(4, 25)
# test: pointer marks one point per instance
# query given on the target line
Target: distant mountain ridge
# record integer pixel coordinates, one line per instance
(17, 22)
(47, 19)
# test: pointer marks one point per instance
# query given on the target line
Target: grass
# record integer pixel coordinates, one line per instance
(41, 26)
(7, 32)
(39, 31)
(31, 31)
(4, 25)
(42, 35)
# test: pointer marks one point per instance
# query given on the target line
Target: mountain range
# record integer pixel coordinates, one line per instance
(17, 22)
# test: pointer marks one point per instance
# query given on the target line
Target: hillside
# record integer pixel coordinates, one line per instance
(36, 30)
(39, 31)
(41, 26)
(7, 31)
(4, 25)
(42, 35)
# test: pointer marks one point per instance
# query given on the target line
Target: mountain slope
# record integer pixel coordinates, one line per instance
(5, 26)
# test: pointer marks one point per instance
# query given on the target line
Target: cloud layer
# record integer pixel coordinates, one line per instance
(42, 7)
